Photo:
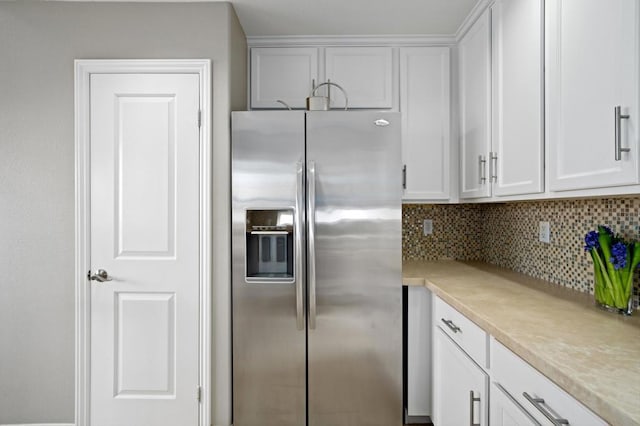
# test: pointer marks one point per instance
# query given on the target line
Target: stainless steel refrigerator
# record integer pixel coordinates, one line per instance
(316, 277)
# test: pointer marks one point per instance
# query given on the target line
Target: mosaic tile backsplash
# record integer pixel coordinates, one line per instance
(506, 235)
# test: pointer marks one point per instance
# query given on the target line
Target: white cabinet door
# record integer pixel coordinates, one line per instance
(418, 351)
(365, 73)
(475, 108)
(505, 411)
(285, 74)
(457, 383)
(592, 67)
(518, 85)
(424, 103)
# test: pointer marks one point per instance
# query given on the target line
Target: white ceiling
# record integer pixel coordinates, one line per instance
(348, 17)
(351, 17)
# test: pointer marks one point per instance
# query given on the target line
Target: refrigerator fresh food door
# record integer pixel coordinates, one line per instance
(354, 269)
(268, 226)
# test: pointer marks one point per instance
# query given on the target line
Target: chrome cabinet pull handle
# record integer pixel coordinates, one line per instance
(404, 177)
(100, 276)
(451, 325)
(311, 242)
(298, 242)
(493, 166)
(482, 169)
(618, 117)
(537, 402)
(472, 401)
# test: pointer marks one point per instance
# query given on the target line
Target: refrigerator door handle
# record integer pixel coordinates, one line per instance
(311, 241)
(298, 245)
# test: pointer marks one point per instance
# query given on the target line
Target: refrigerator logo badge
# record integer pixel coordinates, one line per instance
(381, 122)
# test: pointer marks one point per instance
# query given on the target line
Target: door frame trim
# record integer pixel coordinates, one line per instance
(83, 70)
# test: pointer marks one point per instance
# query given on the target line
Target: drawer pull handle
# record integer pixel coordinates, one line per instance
(472, 400)
(537, 402)
(451, 325)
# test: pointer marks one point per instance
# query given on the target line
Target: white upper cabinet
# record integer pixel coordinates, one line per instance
(474, 53)
(365, 73)
(592, 68)
(285, 74)
(424, 103)
(288, 74)
(517, 137)
(501, 102)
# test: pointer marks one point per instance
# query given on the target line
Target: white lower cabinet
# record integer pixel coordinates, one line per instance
(460, 391)
(541, 398)
(465, 358)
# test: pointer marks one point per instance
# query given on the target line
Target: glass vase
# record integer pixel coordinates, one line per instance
(604, 298)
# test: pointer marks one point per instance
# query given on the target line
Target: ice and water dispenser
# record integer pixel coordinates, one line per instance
(269, 245)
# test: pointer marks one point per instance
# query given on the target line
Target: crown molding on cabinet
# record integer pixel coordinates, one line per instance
(471, 18)
(374, 40)
(357, 40)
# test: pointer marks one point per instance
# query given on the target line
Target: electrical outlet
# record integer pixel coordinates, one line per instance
(545, 232)
(427, 227)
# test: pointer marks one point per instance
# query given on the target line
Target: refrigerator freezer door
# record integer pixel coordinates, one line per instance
(268, 336)
(355, 348)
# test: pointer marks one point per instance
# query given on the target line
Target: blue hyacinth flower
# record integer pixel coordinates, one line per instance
(619, 255)
(591, 241)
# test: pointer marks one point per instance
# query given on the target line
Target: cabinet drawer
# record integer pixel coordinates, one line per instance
(471, 338)
(518, 378)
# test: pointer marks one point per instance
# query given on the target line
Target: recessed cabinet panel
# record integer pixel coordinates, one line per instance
(518, 134)
(475, 109)
(424, 103)
(592, 67)
(285, 74)
(366, 74)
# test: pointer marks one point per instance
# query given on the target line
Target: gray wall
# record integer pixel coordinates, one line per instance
(38, 43)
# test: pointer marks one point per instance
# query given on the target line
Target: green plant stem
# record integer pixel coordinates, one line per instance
(606, 279)
(634, 261)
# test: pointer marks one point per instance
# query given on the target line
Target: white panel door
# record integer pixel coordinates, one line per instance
(456, 380)
(282, 73)
(518, 87)
(365, 73)
(144, 233)
(424, 103)
(474, 53)
(593, 49)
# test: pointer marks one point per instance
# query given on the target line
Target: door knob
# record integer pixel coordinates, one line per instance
(100, 276)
